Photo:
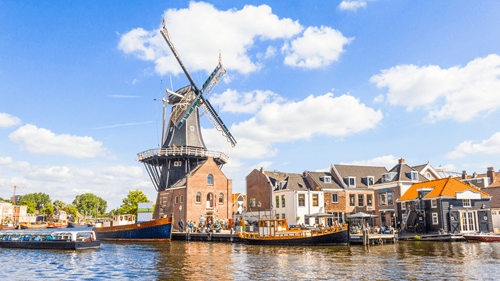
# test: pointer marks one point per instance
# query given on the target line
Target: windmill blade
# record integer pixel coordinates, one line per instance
(213, 79)
(214, 118)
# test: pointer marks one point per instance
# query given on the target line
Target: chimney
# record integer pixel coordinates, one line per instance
(491, 174)
(474, 175)
(464, 174)
(262, 169)
(401, 161)
(304, 174)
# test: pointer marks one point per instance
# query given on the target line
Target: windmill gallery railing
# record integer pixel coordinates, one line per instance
(181, 151)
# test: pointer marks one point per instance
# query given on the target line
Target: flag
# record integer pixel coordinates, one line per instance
(215, 204)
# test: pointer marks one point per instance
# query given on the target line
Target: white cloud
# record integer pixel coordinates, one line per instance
(7, 120)
(318, 47)
(132, 171)
(198, 43)
(379, 98)
(351, 5)
(388, 161)
(20, 166)
(5, 160)
(489, 146)
(277, 120)
(467, 91)
(58, 173)
(44, 142)
(249, 102)
(270, 52)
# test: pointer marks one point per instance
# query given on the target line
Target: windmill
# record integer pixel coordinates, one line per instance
(182, 147)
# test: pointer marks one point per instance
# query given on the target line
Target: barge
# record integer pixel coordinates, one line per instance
(124, 228)
(56, 240)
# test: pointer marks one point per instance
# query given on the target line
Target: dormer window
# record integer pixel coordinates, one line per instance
(370, 181)
(414, 176)
(350, 181)
(385, 178)
(301, 185)
(280, 184)
(326, 179)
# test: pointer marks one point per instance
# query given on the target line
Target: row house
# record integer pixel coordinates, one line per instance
(445, 205)
(14, 213)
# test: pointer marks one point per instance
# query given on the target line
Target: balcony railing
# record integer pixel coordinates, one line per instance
(181, 151)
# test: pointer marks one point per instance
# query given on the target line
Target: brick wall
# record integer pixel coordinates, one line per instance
(259, 188)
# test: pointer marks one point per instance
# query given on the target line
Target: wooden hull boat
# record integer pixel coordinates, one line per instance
(32, 226)
(33, 239)
(159, 230)
(275, 232)
(482, 237)
(56, 225)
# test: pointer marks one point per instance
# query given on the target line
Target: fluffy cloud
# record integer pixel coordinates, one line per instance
(318, 47)
(249, 102)
(388, 161)
(232, 31)
(467, 91)
(57, 173)
(351, 5)
(20, 166)
(5, 160)
(277, 120)
(489, 146)
(131, 171)
(7, 120)
(44, 142)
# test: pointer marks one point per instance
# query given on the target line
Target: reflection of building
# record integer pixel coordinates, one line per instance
(445, 204)
(14, 213)
(239, 203)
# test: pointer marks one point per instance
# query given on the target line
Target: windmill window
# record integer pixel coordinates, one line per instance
(210, 179)
(192, 128)
(177, 163)
(171, 129)
(198, 197)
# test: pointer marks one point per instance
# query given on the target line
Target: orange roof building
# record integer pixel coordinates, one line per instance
(445, 205)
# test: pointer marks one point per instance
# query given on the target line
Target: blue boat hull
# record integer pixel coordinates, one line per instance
(151, 231)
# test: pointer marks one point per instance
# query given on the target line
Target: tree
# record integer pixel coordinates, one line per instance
(71, 210)
(130, 203)
(48, 210)
(40, 200)
(29, 204)
(58, 204)
(87, 204)
(5, 200)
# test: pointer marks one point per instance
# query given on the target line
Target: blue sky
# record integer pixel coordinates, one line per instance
(308, 84)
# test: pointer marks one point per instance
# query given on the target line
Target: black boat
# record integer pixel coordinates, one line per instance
(276, 232)
(59, 240)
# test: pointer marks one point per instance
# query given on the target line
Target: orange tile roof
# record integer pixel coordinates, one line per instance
(440, 188)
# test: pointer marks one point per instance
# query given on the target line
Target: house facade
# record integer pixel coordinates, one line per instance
(14, 213)
(239, 203)
(445, 205)
(204, 192)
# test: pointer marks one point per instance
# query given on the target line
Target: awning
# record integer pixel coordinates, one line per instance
(320, 215)
(361, 215)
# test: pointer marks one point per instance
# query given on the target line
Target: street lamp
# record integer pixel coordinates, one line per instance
(258, 205)
(180, 219)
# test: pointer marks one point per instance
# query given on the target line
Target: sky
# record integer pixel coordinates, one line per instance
(308, 84)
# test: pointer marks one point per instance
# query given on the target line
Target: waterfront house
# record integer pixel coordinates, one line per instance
(393, 184)
(239, 204)
(348, 189)
(447, 205)
(10, 213)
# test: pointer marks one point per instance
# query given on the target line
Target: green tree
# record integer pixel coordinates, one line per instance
(71, 210)
(87, 204)
(58, 204)
(48, 210)
(40, 200)
(5, 200)
(129, 205)
(29, 204)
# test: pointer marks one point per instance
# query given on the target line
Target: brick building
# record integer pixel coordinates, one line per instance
(204, 192)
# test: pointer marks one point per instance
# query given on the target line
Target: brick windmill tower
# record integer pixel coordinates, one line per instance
(187, 176)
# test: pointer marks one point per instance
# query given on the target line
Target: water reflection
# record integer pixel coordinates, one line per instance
(226, 261)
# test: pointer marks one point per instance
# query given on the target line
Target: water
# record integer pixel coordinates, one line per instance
(181, 260)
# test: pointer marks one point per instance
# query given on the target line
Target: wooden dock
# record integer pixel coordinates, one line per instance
(367, 239)
(209, 237)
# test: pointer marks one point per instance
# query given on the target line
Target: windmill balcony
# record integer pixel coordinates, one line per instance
(181, 151)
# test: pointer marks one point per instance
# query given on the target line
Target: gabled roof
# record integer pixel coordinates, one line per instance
(235, 196)
(296, 182)
(495, 195)
(419, 168)
(440, 188)
(360, 172)
(276, 176)
(402, 171)
(316, 176)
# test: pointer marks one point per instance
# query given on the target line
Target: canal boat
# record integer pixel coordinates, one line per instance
(125, 228)
(277, 232)
(481, 237)
(31, 225)
(43, 239)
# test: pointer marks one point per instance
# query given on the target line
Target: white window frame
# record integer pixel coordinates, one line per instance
(403, 205)
(371, 203)
(414, 176)
(435, 218)
(349, 181)
(354, 201)
(335, 201)
(368, 183)
(434, 203)
(298, 200)
(327, 179)
(428, 175)
(468, 205)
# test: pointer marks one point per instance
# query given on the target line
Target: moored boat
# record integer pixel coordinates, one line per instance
(58, 240)
(482, 237)
(276, 232)
(124, 228)
(30, 225)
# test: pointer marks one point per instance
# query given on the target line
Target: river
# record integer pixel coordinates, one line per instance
(180, 260)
